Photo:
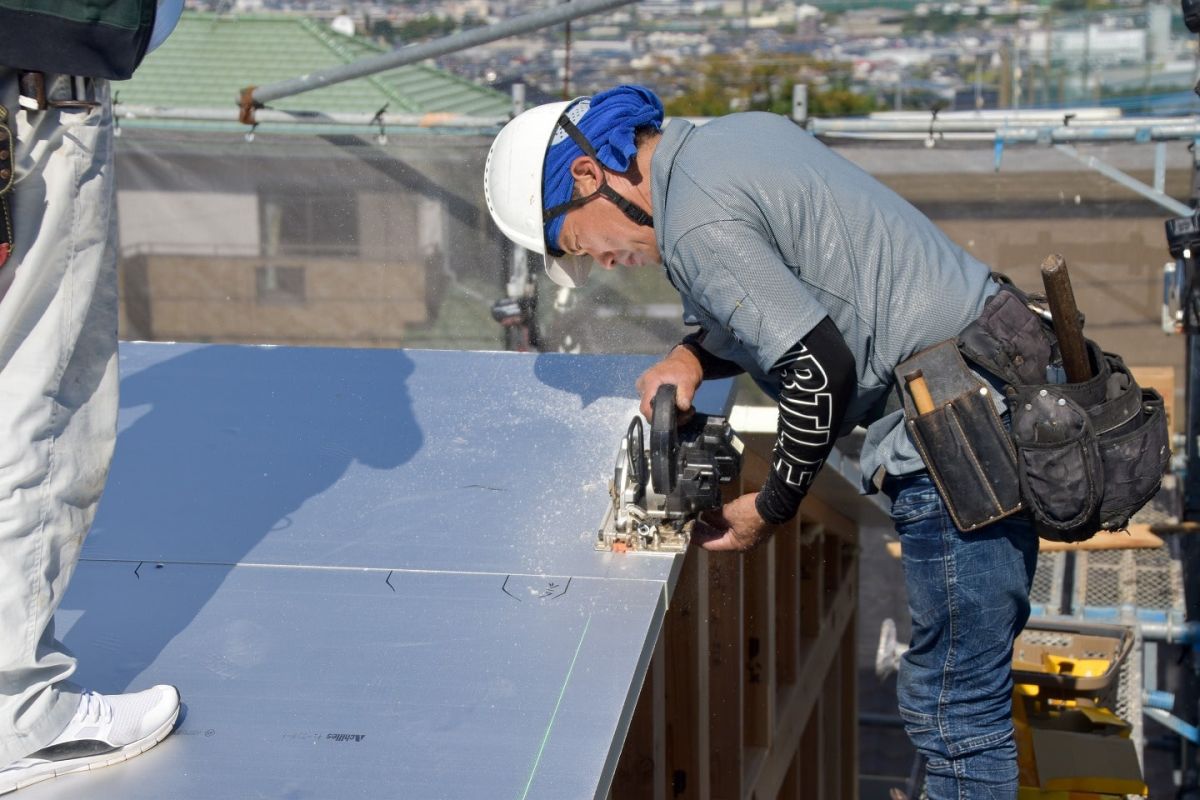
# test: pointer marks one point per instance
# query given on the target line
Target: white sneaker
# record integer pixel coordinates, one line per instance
(103, 732)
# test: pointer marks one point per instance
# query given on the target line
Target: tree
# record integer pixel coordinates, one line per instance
(383, 31)
(424, 27)
(718, 84)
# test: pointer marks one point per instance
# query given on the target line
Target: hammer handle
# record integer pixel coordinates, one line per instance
(919, 390)
(1066, 318)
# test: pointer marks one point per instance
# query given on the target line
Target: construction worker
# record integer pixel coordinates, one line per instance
(58, 371)
(802, 270)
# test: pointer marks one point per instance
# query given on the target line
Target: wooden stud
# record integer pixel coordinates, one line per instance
(725, 671)
(811, 765)
(703, 697)
(634, 777)
(812, 588)
(831, 729)
(800, 701)
(787, 606)
(831, 563)
(686, 695)
(759, 615)
(849, 744)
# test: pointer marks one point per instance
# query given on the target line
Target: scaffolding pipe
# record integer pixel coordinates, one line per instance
(127, 111)
(256, 97)
(1139, 133)
(1008, 115)
(1027, 136)
(1128, 181)
(1170, 631)
(1163, 130)
(1114, 129)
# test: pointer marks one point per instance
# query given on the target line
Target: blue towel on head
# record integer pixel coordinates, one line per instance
(608, 122)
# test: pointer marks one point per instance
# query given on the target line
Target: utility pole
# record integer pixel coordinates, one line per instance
(566, 94)
(1048, 27)
(1087, 51)
(1017, 74)
(978, 82)
(1005, 100)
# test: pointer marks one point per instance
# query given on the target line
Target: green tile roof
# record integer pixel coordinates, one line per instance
(210, 58)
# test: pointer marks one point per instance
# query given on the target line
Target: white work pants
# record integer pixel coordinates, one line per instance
(58, 396)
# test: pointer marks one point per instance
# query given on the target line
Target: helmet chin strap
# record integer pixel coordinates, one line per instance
(630, 210)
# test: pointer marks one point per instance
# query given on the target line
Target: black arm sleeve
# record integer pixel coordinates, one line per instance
(712, 366)
(818, 380)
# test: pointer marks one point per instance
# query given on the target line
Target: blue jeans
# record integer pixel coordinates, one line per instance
(968, 594)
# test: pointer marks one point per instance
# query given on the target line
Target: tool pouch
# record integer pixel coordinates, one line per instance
(1089, 454)
(1062, 476)
(962, 440)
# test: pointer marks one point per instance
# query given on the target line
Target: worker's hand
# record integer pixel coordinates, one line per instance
(737, 526)
(680, 367)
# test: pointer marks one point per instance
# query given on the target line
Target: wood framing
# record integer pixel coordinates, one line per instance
(755, 673)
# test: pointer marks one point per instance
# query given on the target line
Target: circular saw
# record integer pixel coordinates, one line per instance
(660, 487)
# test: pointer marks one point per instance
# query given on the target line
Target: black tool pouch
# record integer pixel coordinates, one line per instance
(1062, 476)
(962, 440)
(1134, 463)
(1089, 454)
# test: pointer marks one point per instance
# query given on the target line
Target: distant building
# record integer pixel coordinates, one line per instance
(1098, 44)
(339, 236)
(870, 22)
(741, 8)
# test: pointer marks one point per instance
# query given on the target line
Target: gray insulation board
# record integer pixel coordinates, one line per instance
(370, 573)
(495, 462)
(309, 683)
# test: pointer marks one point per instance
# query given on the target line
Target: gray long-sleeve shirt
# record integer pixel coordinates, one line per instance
(764, 231)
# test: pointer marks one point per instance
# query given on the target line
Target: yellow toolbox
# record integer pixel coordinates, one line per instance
(1069, 746)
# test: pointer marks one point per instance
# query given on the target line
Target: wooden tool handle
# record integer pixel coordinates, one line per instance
(919, 391)
(1066, 319)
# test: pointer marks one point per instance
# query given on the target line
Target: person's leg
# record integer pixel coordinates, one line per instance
(58, 398)
(968, 594)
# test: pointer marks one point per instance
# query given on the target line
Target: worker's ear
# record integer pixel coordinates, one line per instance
(587, 174)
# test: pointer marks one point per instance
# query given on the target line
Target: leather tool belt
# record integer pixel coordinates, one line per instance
(1081, 457)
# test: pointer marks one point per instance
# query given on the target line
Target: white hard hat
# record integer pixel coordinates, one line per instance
(512, 185)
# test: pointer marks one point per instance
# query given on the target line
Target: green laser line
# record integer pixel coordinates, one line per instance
(561, 692)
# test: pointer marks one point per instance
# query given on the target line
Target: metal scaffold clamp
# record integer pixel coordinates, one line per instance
(381, 137)
(248, 105)
(934, 133)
